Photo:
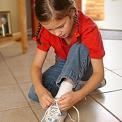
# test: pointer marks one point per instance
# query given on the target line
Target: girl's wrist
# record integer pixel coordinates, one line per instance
(80, 95)
(39, 89)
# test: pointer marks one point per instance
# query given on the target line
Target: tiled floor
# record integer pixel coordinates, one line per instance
(103, 105)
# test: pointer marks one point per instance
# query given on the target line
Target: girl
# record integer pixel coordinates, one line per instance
(79, 51)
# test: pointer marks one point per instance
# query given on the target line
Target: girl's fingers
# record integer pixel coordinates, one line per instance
(62, 101)
(51, 100)
(46, 105)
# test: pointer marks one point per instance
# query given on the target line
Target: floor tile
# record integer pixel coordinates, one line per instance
(111, 101)
(11, 50)
(90, 111)
(18, 115)
(11, 97)
(19, 63)
(114, 82)
(119, 72)
(20, 67)
(15, 50)
(25, 87)
(112, 59)
(6, 77)
(1, 59)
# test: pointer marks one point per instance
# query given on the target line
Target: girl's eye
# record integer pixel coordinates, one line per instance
(56, 28)
(61, 26)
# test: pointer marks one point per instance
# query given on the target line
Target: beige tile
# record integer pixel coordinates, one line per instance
(113, 58)
(119, 72)
(11, 97)
(5, 76)
(114, 82)
(25, 87)
(19, 63)
(90, 111)
(20, 67)
(18, 115)
(11, 50)
(1, 59)
(111, 101)
(15, 50)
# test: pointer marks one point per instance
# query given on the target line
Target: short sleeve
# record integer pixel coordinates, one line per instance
(44, 43)
(91, 37)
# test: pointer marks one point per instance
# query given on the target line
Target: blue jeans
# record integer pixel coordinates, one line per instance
(77, 67)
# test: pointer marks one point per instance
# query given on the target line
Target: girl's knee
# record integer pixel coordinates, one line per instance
(79, 47)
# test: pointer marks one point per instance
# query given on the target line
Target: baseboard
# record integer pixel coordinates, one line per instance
(111, 34)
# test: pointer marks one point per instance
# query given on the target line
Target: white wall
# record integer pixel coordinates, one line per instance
(113, 16)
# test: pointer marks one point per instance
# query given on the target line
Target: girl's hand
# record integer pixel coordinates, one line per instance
(68, 100)
(45, 98)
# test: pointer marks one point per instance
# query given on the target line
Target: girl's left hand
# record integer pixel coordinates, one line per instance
(68, 100)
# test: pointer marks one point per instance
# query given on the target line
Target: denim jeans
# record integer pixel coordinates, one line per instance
(77, 67)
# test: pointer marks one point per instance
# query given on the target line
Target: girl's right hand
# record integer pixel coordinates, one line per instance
(45, 98)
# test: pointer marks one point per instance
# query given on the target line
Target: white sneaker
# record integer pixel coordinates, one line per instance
(53, 114)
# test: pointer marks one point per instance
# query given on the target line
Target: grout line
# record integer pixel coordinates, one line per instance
(105, 108)
(19, 86)
(113, 72)
(111, 30)
(14, 108)
(106, 92)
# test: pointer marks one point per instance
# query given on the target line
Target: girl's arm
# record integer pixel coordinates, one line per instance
(36, 69)
(43, 94)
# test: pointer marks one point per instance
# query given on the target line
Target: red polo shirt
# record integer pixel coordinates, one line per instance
(90, 37)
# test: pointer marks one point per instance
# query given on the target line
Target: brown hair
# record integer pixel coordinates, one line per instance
(48, 9)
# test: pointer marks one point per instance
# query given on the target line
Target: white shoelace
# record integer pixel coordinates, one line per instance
(53, 112)
(78, 115)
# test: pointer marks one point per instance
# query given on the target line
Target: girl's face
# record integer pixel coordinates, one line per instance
(61, 28)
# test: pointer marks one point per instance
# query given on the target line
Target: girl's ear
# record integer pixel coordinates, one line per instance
(72, 11)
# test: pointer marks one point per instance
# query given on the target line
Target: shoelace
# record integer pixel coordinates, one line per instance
(55, 111)
(78, 115)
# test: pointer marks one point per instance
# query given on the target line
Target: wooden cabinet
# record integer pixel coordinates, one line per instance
(20, 36)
